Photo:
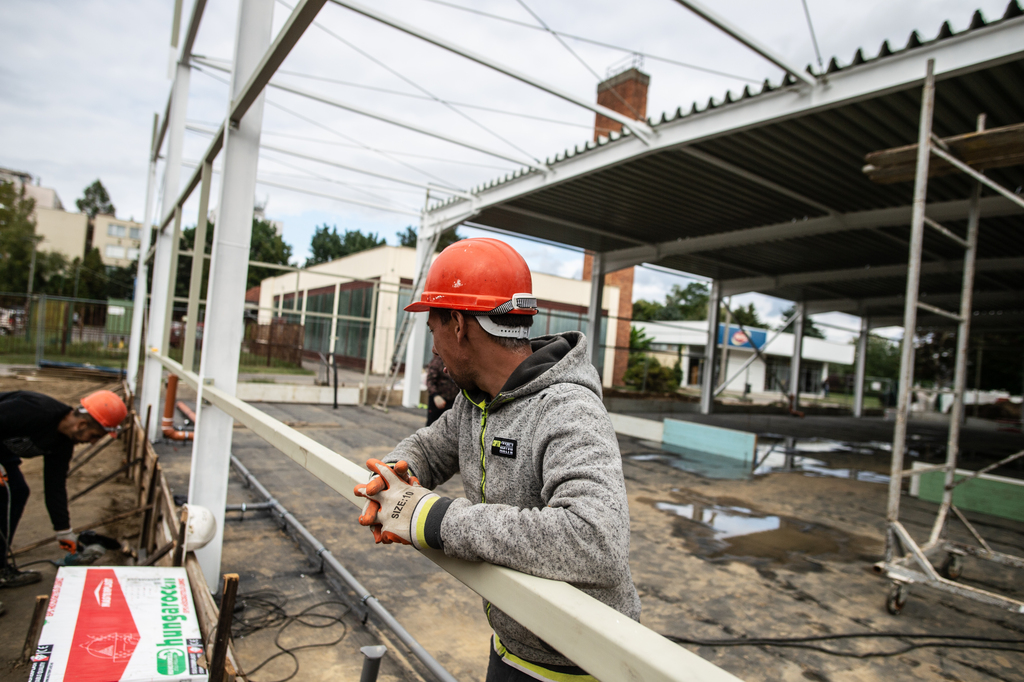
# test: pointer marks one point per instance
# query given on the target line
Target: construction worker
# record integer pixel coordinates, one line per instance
(36, 425)
(531, 437)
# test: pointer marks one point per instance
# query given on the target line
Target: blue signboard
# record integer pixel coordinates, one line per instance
(738, 338)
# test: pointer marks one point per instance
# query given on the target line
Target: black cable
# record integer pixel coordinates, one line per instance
(264, 610)
(947, 641)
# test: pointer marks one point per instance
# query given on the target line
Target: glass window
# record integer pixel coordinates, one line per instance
(114, 251)
(133, 253)
(134, 233)
(115, 230)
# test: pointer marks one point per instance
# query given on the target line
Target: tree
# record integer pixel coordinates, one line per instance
(644, 372)
(882, 359)
(265, 245)
(681, 303)
(95, 201)
(809, 328)
(408, 237)
(327, 245)
(746, 316)
(17, 231)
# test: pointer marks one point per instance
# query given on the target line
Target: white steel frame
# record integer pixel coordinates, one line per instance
(600, 639)
(906, 562)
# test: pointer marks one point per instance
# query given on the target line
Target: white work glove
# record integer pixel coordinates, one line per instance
(392, 511)
(68, 540)
(439, 402)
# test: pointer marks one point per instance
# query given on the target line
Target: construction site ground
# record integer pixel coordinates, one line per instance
(795, 558)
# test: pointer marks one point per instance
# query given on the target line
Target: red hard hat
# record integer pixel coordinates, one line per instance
(478, 275)
(107, 408)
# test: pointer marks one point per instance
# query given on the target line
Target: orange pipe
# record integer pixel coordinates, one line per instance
(187, 411)
(167, 424)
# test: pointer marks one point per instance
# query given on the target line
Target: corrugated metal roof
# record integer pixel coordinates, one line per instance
(669, 194)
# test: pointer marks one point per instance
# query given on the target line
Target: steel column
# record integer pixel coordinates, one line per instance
(195, 284)
(597, 273)
(172, 280)
(418, 326)
(724, 372)
(139, 298)
(899, 439)
(158, 302)
(798, 350)
(229, 266)
(707, 384)
(956, 411)
(861, 368)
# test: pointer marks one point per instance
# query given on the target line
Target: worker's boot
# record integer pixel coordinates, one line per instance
(12, 577)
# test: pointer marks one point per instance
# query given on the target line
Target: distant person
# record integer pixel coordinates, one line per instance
(36, 425)
(441, 390)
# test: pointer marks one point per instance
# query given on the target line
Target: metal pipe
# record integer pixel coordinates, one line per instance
(139, 298)
(899, 439)
(167, 423)
(195, 283)
(724, 372)
(707, 388)
(956, 411)
(249, 506)
(795, 362)
(597, 273)
(172, 280)
(361, 592)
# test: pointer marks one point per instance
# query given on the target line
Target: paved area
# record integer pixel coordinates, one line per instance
(782, 555)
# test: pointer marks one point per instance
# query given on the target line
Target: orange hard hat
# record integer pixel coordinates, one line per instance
(107, 408)
(482, 276)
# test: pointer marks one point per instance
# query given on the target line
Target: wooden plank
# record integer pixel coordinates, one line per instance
(993, 148)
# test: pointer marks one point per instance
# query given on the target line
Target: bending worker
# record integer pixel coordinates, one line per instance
(35, 425)
(537, 452)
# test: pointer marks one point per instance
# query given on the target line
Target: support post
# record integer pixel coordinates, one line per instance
(195, 284)
(724, 372)
(172, 280)
(152, 374)
(977, 376)
(229, 267)
(795, 362)
(861, 368)
(707, 384)
(899, 438)
(139, 297)
(597, 273)
(371, 329)
(418, 327)
(956, 411)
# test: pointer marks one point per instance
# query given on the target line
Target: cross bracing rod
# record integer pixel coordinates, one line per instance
(641, 130)
(732, 287)
(334, 197)
(742, 36)
(860, 220)
(980, 177)
(582, 628)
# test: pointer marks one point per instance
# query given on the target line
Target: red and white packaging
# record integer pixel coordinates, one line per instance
(120, 624)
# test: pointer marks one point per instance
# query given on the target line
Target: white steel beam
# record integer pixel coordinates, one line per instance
(229, 266)
(414, 356)
(798, 354)
(640, 129)
(139, 297)
(860, 367)
(866, 305)
(707, 380)
(195, 283)
(732, 287)
(594, 336)
(583, 629)
(860, 220)
(965, 53)
(151, 378)
(742, 36)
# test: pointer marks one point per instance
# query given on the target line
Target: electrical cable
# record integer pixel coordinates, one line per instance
(947, 641)
(422, 89)
(597, 42)
(351, 139)
(269, 612)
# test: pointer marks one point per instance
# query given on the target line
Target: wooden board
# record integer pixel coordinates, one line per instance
(714, 440)
(994, 148)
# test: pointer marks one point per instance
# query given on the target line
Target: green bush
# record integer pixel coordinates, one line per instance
(659, 379)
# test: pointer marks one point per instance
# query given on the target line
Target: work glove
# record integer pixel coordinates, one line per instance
(68, 540)
(375, 485)
(397, 503)
(439, 402)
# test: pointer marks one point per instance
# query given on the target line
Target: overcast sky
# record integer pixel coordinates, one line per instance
(80, 81)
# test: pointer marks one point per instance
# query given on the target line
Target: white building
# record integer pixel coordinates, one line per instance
(117, 240)
(687, 340)
(62, 232)
(345, 287)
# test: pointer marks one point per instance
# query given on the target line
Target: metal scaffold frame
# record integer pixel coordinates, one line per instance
(907, 562)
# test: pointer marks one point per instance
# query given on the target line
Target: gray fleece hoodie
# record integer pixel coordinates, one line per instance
(543, 479)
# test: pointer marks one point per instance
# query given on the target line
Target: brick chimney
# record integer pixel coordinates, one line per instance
(625, 93)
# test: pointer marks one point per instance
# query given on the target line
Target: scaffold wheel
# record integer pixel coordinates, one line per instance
(897, 598)
(952, 567)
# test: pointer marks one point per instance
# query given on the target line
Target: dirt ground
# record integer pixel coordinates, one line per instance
(779, 555)
(104, 502)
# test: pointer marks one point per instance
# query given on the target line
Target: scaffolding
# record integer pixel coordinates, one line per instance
(906, 562)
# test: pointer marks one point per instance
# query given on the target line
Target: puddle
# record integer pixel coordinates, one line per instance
(725, 533)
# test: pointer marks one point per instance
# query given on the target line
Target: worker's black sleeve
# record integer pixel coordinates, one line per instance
(55, 489)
